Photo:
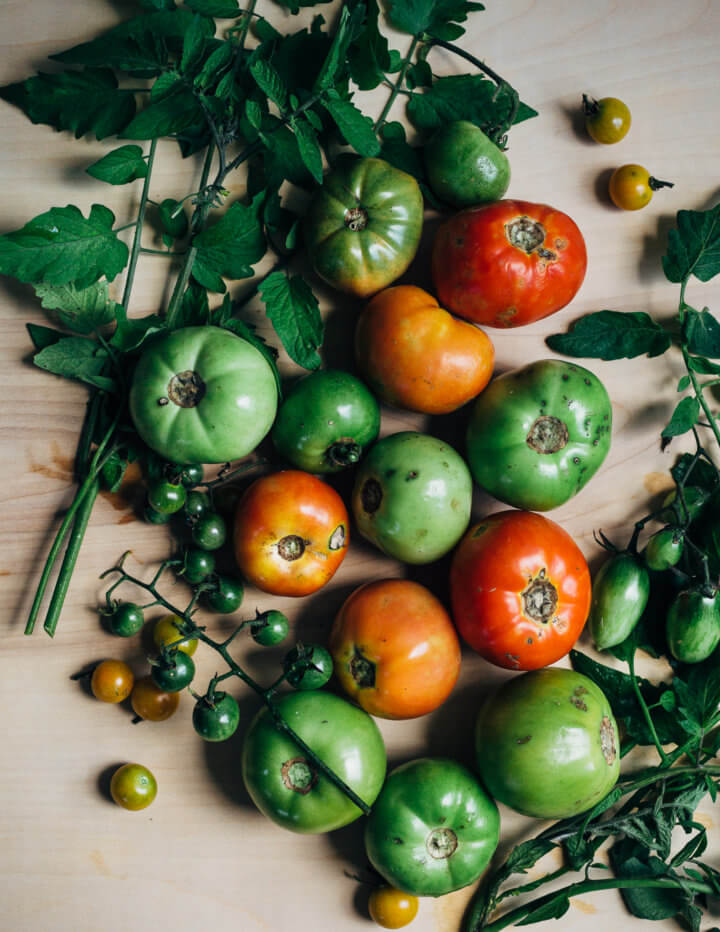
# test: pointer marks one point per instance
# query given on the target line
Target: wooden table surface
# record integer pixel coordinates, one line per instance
(201, 856)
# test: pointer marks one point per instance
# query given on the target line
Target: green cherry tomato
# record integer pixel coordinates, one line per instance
(192, 475)
(202, 395)
(198, 565)
(174, 673)
(216, 719)
(326, 422)
(547, 744)
(692, 626)
(133, 787)
(166, 497)
(363, 226)
(433, 829)
(607, 120)
(270, 628)
(538, 434)
(197, 504)
(412, 497)
(391, 908)
(168, 632)
(127, 619)
(464, 167)
(664, 548)
(210, 531)
(287, 787)
(620, 592)
(155, 517)
(227, 597)
(308, 667)
(632, 187)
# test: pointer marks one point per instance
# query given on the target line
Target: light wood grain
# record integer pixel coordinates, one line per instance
(202, 856)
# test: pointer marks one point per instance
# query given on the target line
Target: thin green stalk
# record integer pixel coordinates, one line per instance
(246, 23)
(645, 711)
(135, 250)
(397, 86)
(701, 397)
(160, 252)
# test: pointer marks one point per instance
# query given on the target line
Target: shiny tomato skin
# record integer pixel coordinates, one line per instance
(520, 590)
(509, 263)
(291, 533)
(395, 650)
(112, 681)
(415, 355)
(391, 908)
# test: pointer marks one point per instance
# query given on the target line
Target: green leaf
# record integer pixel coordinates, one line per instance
(72, 358)
(223, 9)
(296, 5)
(283, 161)
(173, 217)
(158, 4)
(368, 55)
(684, 417)
(309, 147)
(356, 128)
(527, 854)
(230, 247)
(113, 471)
(553, 909)
(166, 84)
(132, 333)
(335, 60)
(419, 75)
(630, 860)
(253, 112)
(143, 53)
(193, 47)
(698, 695)
(703, 366)
(78, 101)
(683, 383)
(43, 336)
(194, 308)
(61, 246)
(294, 313)
(419, 16)
(120, 166)
(694, 246)
(612, 335)
(215, 65)
(704, 475)
(398, 152)
(270, 83)
(176, 111)
(83, 310)
(702, 332)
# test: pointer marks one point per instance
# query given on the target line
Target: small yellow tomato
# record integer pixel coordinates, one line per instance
(390, 908)
(166, 632)
(632, 186)
(607, 120)
(112, 681)
(132, 786)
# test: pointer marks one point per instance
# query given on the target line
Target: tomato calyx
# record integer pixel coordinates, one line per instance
(540, 599)
(655, 184)
(362, 670)
(299, 775)
(590, 105)
(356, 219)
(547, 434)
(343, 452)
(441, 843)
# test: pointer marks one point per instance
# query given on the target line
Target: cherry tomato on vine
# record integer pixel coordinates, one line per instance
(216, 719)
(270, 628)
(664, 548)
(197, 504)
(227, 597)
(632, 187)
(620, 592)
(198, 565)
(465, 167)
(390, 908)
(173, 673)
(150, 702)
(155, 517)
(693, 625)
(166, 497)
(133, 787)
(607, 120)
(192, 475)
(127, 619)
(166, 633)
(112, 681)
(313, 666)
(209, 532)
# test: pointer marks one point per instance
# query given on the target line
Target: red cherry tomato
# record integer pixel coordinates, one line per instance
(520, 590)
(509, 263)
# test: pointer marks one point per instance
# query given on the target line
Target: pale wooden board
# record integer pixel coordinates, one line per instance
(201, 856)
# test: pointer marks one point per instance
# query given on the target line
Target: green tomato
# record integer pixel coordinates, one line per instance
(692, 626)
(198, 565)
(538, 434)
(227, 597)
(209, 532)
(216, 719)
(287, 787)
(270, 628)
(175, 673)
(308, 667)
(433, 828)
(664, 549)
(326, 422)
(620, 592)
(197, 504)
(464, 167)
(412, 497)
(547, 744)
(191, 475)
(127, 619)
(133, 787)
(166, 497)
(363, 226)
(202, 395)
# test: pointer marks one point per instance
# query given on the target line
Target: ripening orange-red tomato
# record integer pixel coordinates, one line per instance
(291, 533)
(395, 649)
(416, 355)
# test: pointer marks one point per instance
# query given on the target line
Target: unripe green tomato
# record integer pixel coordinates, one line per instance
(198, 565)
(166, 497)
(664, 549)
(692, 626)
(464, 167)
(197, 504)
(270, 628)
(227, 597)
(127, 619)
(313, 672)
(547, 744)
(412, 497)
(620, 591)
(216, 720)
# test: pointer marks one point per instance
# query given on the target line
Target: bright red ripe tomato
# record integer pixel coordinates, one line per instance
(520, 590)
(291, 533)
(508, 263)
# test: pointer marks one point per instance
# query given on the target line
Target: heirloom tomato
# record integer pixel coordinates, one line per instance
(326, 422)
(363, 226)
(520, 590)
(291, 533)
(433, 828)
(412, 497)
(538, 434)
(607, 120)
(286, 785)
(620, 592)
(395, 649)
(464, 167)
(415, 355)
(509, 263)
(547, 744)
(202, 395)
(693, 625)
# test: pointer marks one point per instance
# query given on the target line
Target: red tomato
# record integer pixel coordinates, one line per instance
(291, 533)
(509, 263)
(395, 649)
(413, 354)
(520, 590)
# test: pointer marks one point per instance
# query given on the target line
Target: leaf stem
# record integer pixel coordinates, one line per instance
(697, 388)
(645, 711)
(135, 250)
(397, 85)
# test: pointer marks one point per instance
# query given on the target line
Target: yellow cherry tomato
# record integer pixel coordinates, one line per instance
(112, 681)
(607, 120)
(132, 786)
(166, 632)
(632, 186)
(152, 703)
(390, 908)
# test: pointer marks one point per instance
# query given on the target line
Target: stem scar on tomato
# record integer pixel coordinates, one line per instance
(299, 776)
(186, 389)
(441, 843)
(362, 670)
(540, 599)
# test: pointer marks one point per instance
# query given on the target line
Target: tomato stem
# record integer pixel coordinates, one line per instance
(135, 250)
(397, 84)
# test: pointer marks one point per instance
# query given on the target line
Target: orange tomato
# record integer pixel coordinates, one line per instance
(416, 355)
(395, 650)
(291, 533)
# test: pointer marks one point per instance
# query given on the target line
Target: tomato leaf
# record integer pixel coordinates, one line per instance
(309, 147)
(398, 152)
(176, 111)
(295, 5)
(230, 246)
(694, 246)
(294, 313)
(113, 471)
(43, 336)
(270, 83)
(215, 64)
(131, 333)
(555, 908)
(429, 16)
(194, 307)
(704, 475)
(684, 417)
(83, 310)
(463, 97)
(356, 128)
(193, 47)
(144, 53)
(61, 246)
(224, 9)
(173, 218)
(702, 332)
(120, 166)
(630, 860)
(612, 335)
(368, 55)
(72, 358)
